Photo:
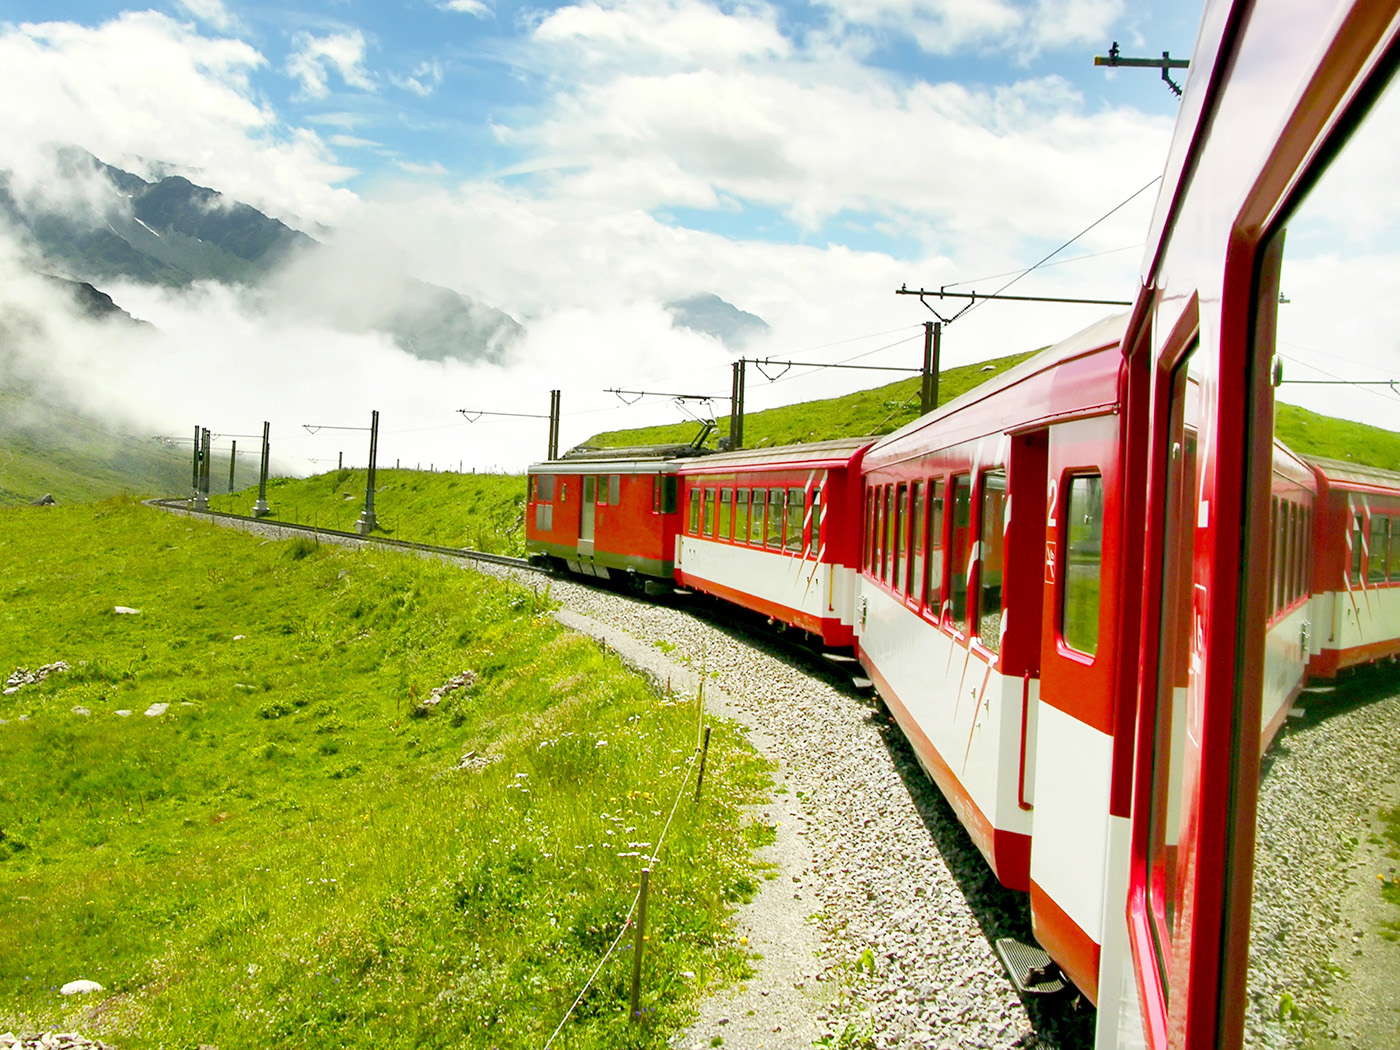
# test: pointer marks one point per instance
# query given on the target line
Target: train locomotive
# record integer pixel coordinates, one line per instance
(1090, 590)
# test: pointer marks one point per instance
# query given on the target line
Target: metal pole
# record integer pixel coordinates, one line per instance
(201, 489)
(553, 424)
(736, 406)
(637, 946)
(340, 461)
(366, 523)
(933, 344)
(194, 467)
(260, 507)
(232, 459)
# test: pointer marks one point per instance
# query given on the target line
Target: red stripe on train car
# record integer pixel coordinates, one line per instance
(1075, 951)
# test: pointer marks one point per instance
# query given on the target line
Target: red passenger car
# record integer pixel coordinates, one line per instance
(609, 513)
(988, 621)
(777, 530)
(1357, 579)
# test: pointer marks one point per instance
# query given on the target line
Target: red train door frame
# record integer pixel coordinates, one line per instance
(1293, 105)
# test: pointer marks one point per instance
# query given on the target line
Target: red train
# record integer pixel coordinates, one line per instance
(1090, 590)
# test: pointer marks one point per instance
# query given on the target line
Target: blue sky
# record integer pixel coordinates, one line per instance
(581, 164)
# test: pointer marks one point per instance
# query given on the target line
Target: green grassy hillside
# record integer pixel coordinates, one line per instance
(1310, 434)
(44, 449)
(879, 411)
(240, 812)
(481, 511)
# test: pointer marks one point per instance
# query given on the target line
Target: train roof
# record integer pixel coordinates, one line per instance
(1065, 396)
(1354, 475)
(836, 452)
(626, 460)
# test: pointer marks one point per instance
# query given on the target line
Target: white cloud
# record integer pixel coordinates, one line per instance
(144, 85)
(315, 58)
(467, 7)
(1021, 27)
(210, 12)
(424, 80)
(818, 142)
(651, 33)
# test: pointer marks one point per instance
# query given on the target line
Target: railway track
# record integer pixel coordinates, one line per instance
(182, 505)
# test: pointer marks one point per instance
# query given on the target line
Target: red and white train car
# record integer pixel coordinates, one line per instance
(988, 622)
(1295, 533)
(1357, 578)
(609, 513)
(776, 530)
(1277, 90)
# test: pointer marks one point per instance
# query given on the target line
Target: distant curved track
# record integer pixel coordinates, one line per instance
(182, 506)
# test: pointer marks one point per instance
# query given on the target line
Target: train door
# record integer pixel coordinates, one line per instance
(1207, 967)
(586, 513)
(1080, 827)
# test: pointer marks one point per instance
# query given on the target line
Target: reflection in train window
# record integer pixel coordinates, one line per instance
(933, 571)
(901, 525)
(775, 518)
(741, 515)
(962, 520)
(1358, 548)
(916, 540)
(707, 514)
(726, 502)
(993, 559)
(1332, 313)
(796, 508)
(694, 511)
(760, 501)
(1083, 564)
(1376, 550)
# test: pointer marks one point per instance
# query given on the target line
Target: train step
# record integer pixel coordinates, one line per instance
(862, 683)
(839, 658)
(1031, 970)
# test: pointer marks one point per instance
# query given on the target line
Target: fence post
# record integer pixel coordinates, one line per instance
(637, 947)
(704, 750)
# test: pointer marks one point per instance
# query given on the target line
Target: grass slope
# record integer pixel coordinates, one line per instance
(480, 511)
(288, 856)
(1311, 434)
(881, 410)
(77, 460)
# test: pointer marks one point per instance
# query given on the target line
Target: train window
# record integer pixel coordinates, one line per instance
(775, 518)
(615, 489)
(545, 489)
(1177, 684)
(1358, 549)
(933, 568)
(760, 501)
(695, 512)
(901, 530)
(707, 522)
(741, 515)
(1082, 573)
(590, 488)
(958, 568)
(887, 562)
(1394, 566)
(1378, 551)
(726, 505)
(992, 560)
(814, 539)
(670, 494)
(796, 508)
(877, 527)
(917, 511)
(1276, 558)
(1291, 576)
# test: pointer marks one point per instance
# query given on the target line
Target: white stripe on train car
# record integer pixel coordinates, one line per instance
(968, 712)
(1074, 764)
(780, 579)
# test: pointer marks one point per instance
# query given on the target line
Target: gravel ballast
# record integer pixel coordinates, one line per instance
(876, 927)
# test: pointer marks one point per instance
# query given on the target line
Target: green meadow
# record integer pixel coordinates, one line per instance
(388, 802)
